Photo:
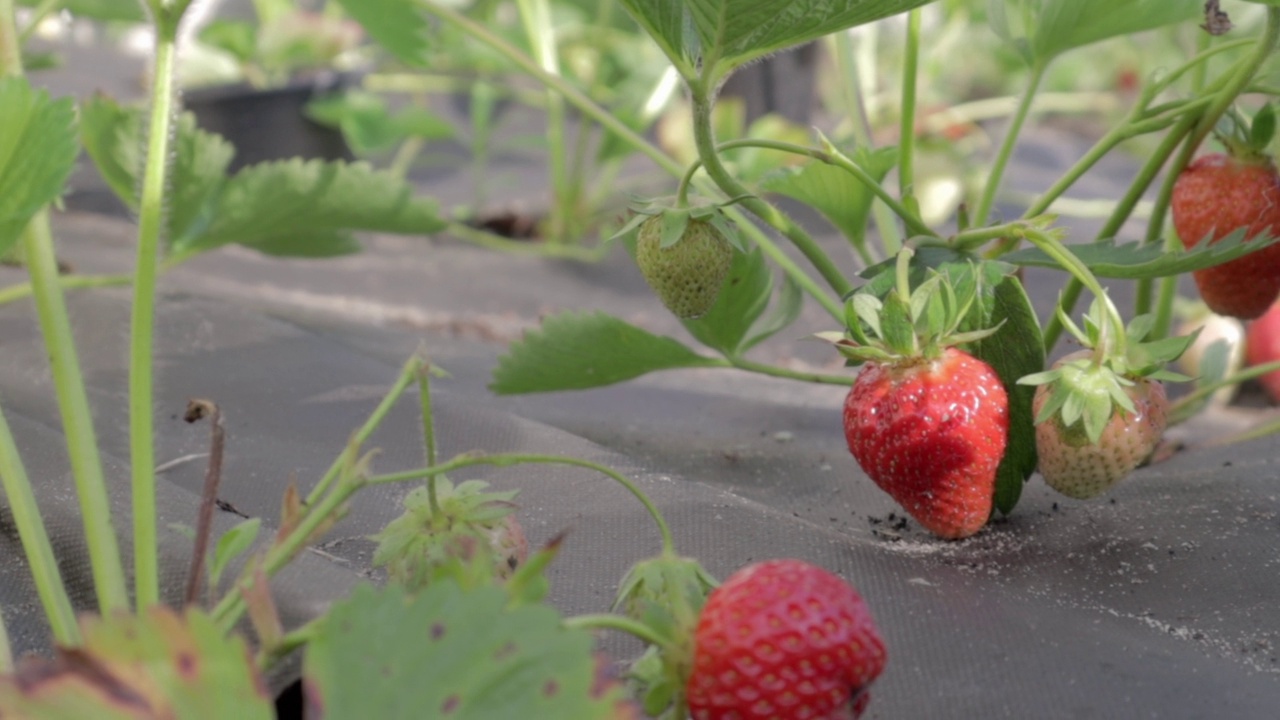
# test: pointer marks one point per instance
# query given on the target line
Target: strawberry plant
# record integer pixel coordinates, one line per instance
(950, 294)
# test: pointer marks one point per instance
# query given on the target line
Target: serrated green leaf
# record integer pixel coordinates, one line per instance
(866, 308)
(666, 22)
(1048, 28)
(37, 154)
(369, 125)
(197, 176)
(573, 351)
(239, 38)
(231, 545)
(399, 26)
(292, 205)
(112, 135)
(159, 665)
(452, 653)
(1014, 351)
(1263, 127)
(741, 302)
(840, 197)
(737, 31)
(1136, 260)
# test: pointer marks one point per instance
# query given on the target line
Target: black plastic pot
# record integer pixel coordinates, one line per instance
(270, 124)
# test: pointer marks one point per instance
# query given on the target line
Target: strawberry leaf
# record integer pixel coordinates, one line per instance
(839, 196)
(159, 665)
(399, 26)
(573, 351)
(667, 24)
(449, 652)
(1133, 261)
(785, 310)
(1015, 350)
(741, 302)
(233, 543)
(1044, 29)
(37, 153)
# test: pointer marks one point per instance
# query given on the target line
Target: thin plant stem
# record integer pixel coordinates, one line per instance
(35, 542)
(196, 410)
(68, 381)
(232, 605)
(68, 282)
(1177, 410)
(907, 124)
(41, 11)
(775, 371)
(406, 377)
(142, 336)
(851, 86)
(466, 233)
(607, 621)
(704, 138)
(987, 199)
(428, 433)
(536, 15)
(1261, 431)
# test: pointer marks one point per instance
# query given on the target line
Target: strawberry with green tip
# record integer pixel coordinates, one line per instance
(684, 254)
(925, 420)
(1102, 411)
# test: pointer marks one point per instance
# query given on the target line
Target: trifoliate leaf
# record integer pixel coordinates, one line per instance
(573, 351)
(37, 153)
(449, 652)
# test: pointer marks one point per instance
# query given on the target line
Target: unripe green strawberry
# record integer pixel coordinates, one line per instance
(688, 274)
(1078, 468)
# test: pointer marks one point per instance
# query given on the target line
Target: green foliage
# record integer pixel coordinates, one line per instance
(368, 124)
(37, 153)
(130, 11)
(1044, 29)
(574, 351)
(1135, 260)
(728, 327)
(159, 665)
(399, 26)
(841, 198)
(292, 207)
(233, 543)
(449, 652)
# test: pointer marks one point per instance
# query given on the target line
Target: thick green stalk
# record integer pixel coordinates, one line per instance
(907, 125)
(35, 541)
(704, 138)
(987, 200)
(141, 346)
(68, 381)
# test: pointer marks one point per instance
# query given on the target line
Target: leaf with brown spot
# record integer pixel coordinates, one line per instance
(454, 653)
(160, 665)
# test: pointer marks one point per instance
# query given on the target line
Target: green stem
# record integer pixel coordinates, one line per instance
(851, 85)
(1005, 153)
(1053, 247)
(1261, 431)
(606, 621)
(68, 282)
(907, 126)
(407, 375)
(1178, 408)
(288, 642)
(68, 381)
(405, 156)
(38, 15)
(35, 541)
(6, 650)
(536, 16)
(1241, 78)
(773, 370)
(428, 433)
(150, 226)
(704, 138)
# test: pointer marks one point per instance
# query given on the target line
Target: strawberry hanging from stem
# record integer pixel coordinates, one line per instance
(926, 421)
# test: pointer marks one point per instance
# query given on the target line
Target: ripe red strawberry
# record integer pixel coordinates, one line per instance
(1215, 196)
(1076, 467)
(783, 640)
(931, 433)
(1262, 345)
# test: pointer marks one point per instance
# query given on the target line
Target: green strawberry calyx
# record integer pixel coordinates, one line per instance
(1087, 388)
(1245, 139)
(676, 219)
(908, 324)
